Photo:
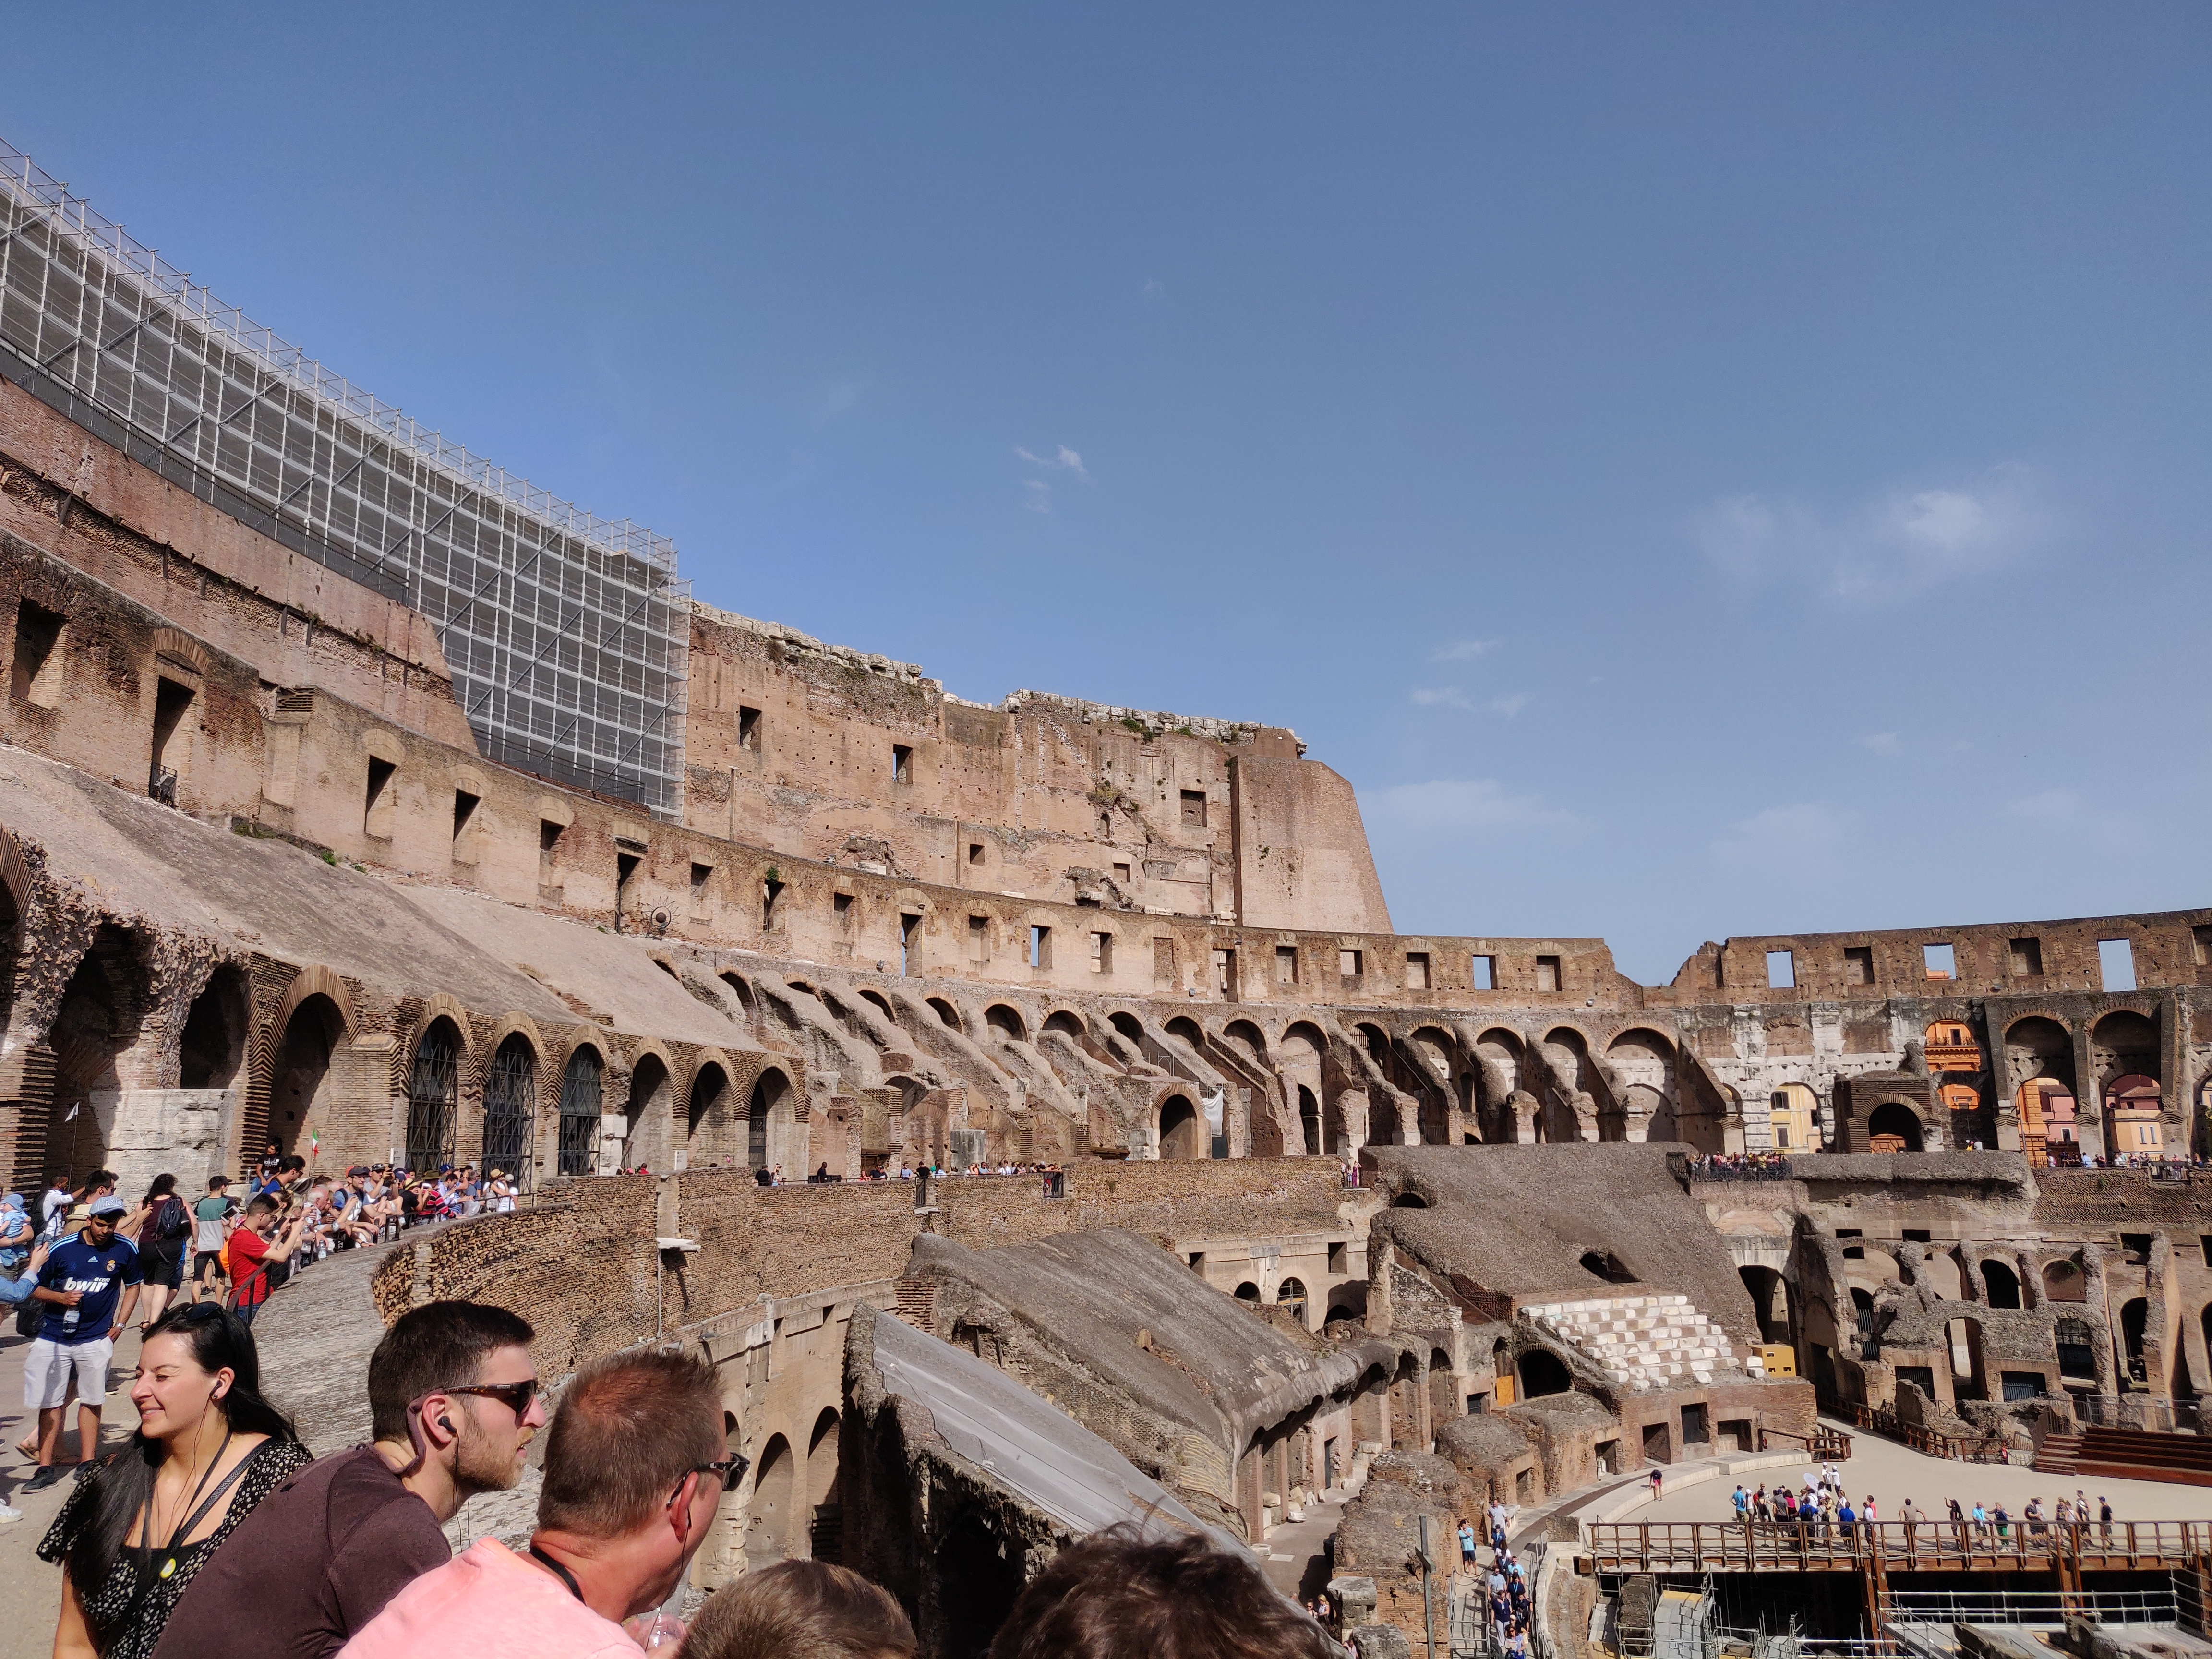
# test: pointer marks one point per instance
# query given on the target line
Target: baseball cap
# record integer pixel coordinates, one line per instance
(109, 1206)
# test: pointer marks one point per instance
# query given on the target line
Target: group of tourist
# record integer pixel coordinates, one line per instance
(214, 1530)
(1506, 1587)
(1823, 1511)
(1740, 1166)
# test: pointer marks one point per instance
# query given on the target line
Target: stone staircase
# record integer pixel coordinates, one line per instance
(1651, 1341)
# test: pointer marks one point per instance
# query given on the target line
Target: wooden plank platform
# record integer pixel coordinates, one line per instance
(1891, 1547)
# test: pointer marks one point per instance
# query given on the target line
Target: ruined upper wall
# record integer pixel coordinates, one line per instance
(830, 754)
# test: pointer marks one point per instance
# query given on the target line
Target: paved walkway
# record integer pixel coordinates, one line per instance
(1893, 1472)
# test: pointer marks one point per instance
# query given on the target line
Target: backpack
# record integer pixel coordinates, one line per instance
(172, 1220)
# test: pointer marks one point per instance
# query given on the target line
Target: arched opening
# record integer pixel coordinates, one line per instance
(800, 985)
(1605, 1265)
(1186, 1028)
(214, 1043)
(2132, 1108)
(1310, 1121)
(1770, 1301)
(433, 1096)
(945, 1012)
(511, 1110)
(2135, 1316)
(97, 1022)
(581, 1103)
(1246, 1036)
(1543, 1373)
(706, 1118)
(1794, 1112)
(1409, 1200)
(1862, 1321)
(1128, 1025)
(1067, 1024)
(1182, 1131)
(768, 1095)
(1248, 1291)
(883, 1005)
(743, 992)
(774, 1494)
(1005, 1023)
(2000, 1284)
(652, 1107)
(2064, 1282)
(824, 1489)
(299, 1083)
(1291, 1294)
(1894, 1127)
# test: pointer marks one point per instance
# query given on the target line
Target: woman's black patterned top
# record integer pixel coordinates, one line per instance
(267, 1466)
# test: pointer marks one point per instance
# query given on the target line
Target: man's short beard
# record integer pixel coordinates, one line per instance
(477, 1467)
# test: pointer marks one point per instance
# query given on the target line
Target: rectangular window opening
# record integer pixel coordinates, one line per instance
(1101, 953)
(701, 875)
(975, 852)
(1858, 965)
(465, 814)
(1351, 964)
(771, 891)
(1939, 961)
(625, 867)
(902, 763)
(1164, 962)
(172, 701)
(377, 811)
(749, 729)
(2027, 958)
(979, 938)
(1224, 974)
(2201, 938)
(1781, 970)
(1193, 809)
(909, 944)
(1547, 973)
(1287, 964)
(841, 906)
(1120, 875)
(1416, 970)
(1486, 972)
(2116, 960)
(37, 672)
(1040, 947)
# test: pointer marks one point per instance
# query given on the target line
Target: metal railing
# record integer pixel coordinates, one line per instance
(2160, 1605)
(1824, 1444)
(1893, 1546)
(1744, 1166)
(2136, 1410)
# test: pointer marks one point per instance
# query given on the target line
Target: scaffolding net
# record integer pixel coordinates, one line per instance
(566, 635)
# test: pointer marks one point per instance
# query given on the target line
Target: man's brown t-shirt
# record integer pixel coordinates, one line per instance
(316, 1561)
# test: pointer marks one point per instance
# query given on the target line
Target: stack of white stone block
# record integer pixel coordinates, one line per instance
(1642, 1342)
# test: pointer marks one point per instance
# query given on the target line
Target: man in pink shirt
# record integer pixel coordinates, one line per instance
(636, 1463)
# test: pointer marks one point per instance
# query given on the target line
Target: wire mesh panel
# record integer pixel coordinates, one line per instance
(567, 635)
(511, 1112)
(580, 1114)
(432, 1095)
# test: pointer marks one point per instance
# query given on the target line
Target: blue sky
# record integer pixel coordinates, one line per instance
(1696, 470)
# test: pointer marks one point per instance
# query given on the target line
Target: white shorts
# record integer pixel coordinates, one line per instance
(48, 1367)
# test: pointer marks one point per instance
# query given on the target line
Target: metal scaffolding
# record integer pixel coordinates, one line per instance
(567, 635)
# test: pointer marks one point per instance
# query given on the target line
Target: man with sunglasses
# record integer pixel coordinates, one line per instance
(636, 1463)
(453, 1404)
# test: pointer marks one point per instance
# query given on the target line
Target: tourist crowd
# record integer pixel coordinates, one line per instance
(1825, 1511)
(212, 1531)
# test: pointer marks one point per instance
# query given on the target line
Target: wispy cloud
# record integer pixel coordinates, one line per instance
(1038, 495)
(1446, 806)
(1802, 836)
(2046, 805)
(1891, 548)
(1066, 460)
(1882, 743)
(1462, 650)
(1451, 696)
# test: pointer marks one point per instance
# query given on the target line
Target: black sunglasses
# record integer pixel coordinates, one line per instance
(731, 1469)
(517, 1397)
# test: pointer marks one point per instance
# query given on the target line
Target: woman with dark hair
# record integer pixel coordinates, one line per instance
(161, 1228)
(139, 1523)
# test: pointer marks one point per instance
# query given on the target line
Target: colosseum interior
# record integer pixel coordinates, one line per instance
(398, 832)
